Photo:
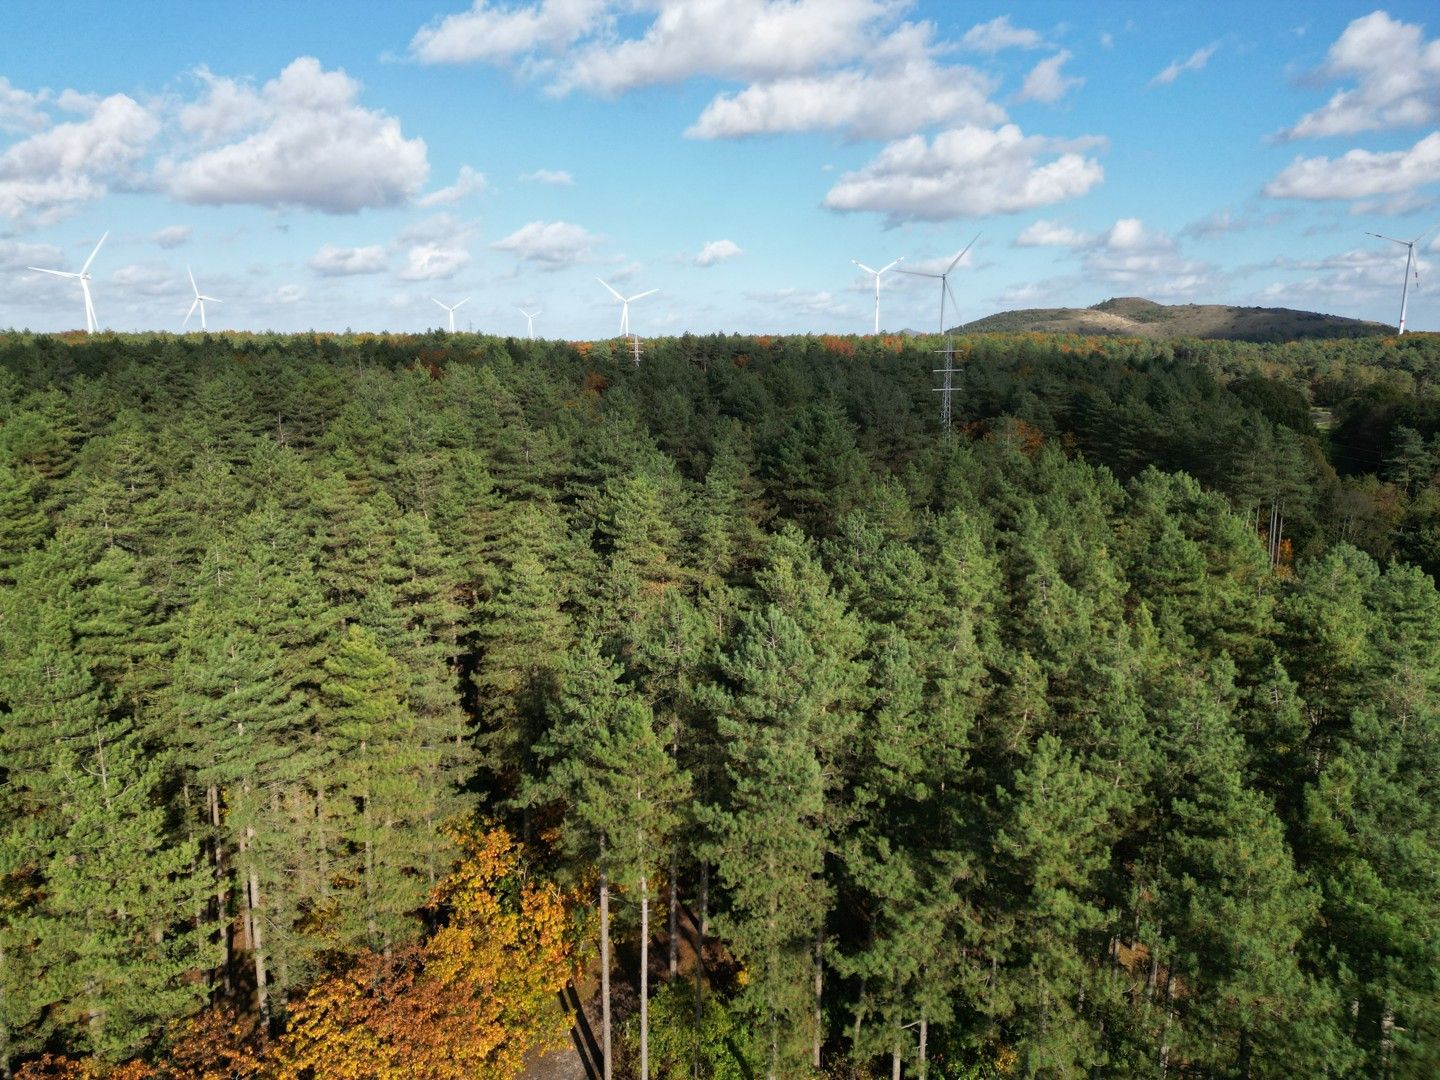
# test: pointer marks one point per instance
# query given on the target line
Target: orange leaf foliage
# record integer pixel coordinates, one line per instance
(468, 1002)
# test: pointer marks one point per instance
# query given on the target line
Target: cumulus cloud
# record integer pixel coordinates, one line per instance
(802, 301)
(1343, 279)
(148, 279)
(468, 183)
(17, 255)
(1196, 61)
(1052, 234)
(47, 175)
(998, 34)
(552, 245)
(332, 261)
(1047, 83)
(885, 103)
(20, 111)
(488, 33)
(555, 177)
(433, 262)
(172, 236)
(1134, 258)
(1360, 173)
(1396, 75)
(303, 141)
(968, 172)
(742, 39)
(717, 251)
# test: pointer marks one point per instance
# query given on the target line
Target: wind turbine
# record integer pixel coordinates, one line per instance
(529, 320)
(944, 280)
(877, 274)
(84, 278)
(625, 302)
(199, 302)
(452, 310)
(1409, 246)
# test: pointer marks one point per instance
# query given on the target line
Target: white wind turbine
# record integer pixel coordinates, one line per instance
(944, 280)
(877, 274)
(625, 302)
(1409, 246)
(84, 278)
(452, 310)
(199, 302)
(529, 320)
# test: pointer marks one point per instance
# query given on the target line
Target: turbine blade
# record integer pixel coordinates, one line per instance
(952, 299)
(438, 302)
(966, 248)
(612, 291)
(1402, 243)
(211, 299)
(918, 273)
(886, 267)
(91, 259)
(90, 319)
(862, 266)
(463, 302)
(57, 273)
(193, 305)
(192, 280)
(640, 296)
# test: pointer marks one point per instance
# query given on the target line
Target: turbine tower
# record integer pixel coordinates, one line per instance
(452, 310)
(199, 302)
(949, 369)
(625, 302)
(84, 278)
(1409, 246)
(877, 274)
(529, 320)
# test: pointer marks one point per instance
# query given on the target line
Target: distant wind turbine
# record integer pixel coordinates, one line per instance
(199, 302)
(625, 302)
(1409, 246)
(84, 278)
(945, 280)
(877, 274)
(529, 320)
(452, 310)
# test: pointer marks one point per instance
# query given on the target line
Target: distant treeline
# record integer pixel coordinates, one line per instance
(1097, 736)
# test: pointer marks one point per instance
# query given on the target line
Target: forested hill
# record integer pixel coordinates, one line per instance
(344, 681)
(1132, 316)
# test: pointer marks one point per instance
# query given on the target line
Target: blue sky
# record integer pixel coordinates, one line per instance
(338, 165)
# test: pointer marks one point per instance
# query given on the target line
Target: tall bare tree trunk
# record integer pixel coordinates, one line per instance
(895, 1063)
(819, 991)
(605, 973)
(644, 978)
(924, 1036)
(674, 928)
(257, 944)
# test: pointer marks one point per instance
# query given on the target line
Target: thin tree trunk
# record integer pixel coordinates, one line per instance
(222, 907)
(644, 978)
(674, 929)
(704, 901)
(924, 1037)
(895, 1063)
(819, 990)
(257, 944)
(605, 973)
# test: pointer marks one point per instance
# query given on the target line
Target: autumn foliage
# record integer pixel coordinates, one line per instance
(470, 1001)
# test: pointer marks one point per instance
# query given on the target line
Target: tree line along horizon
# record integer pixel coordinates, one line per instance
(344, 679)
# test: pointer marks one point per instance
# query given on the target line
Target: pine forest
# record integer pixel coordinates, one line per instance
(394, 707)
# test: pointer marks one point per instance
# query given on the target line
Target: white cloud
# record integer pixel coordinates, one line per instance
(148, 279)
(437, 228)
(1047, 83)
(309, 145)
(556, 177)
(433, 262)
(802, 301)
(172, 236)
(1397, 80)
(885, 103)
(1346, 279)
(1196, 61)
(488, 33)
(1052, 234)
(968, 172)
(1146, 262)
(332, 261)
(999, 34)
(20, 110)
(552, 245)
(1130, 234)
(468, 183)
(287, 294)
(1360, 173)
(739, 39)
(717, 251)
(50, 173)
(17, 255)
